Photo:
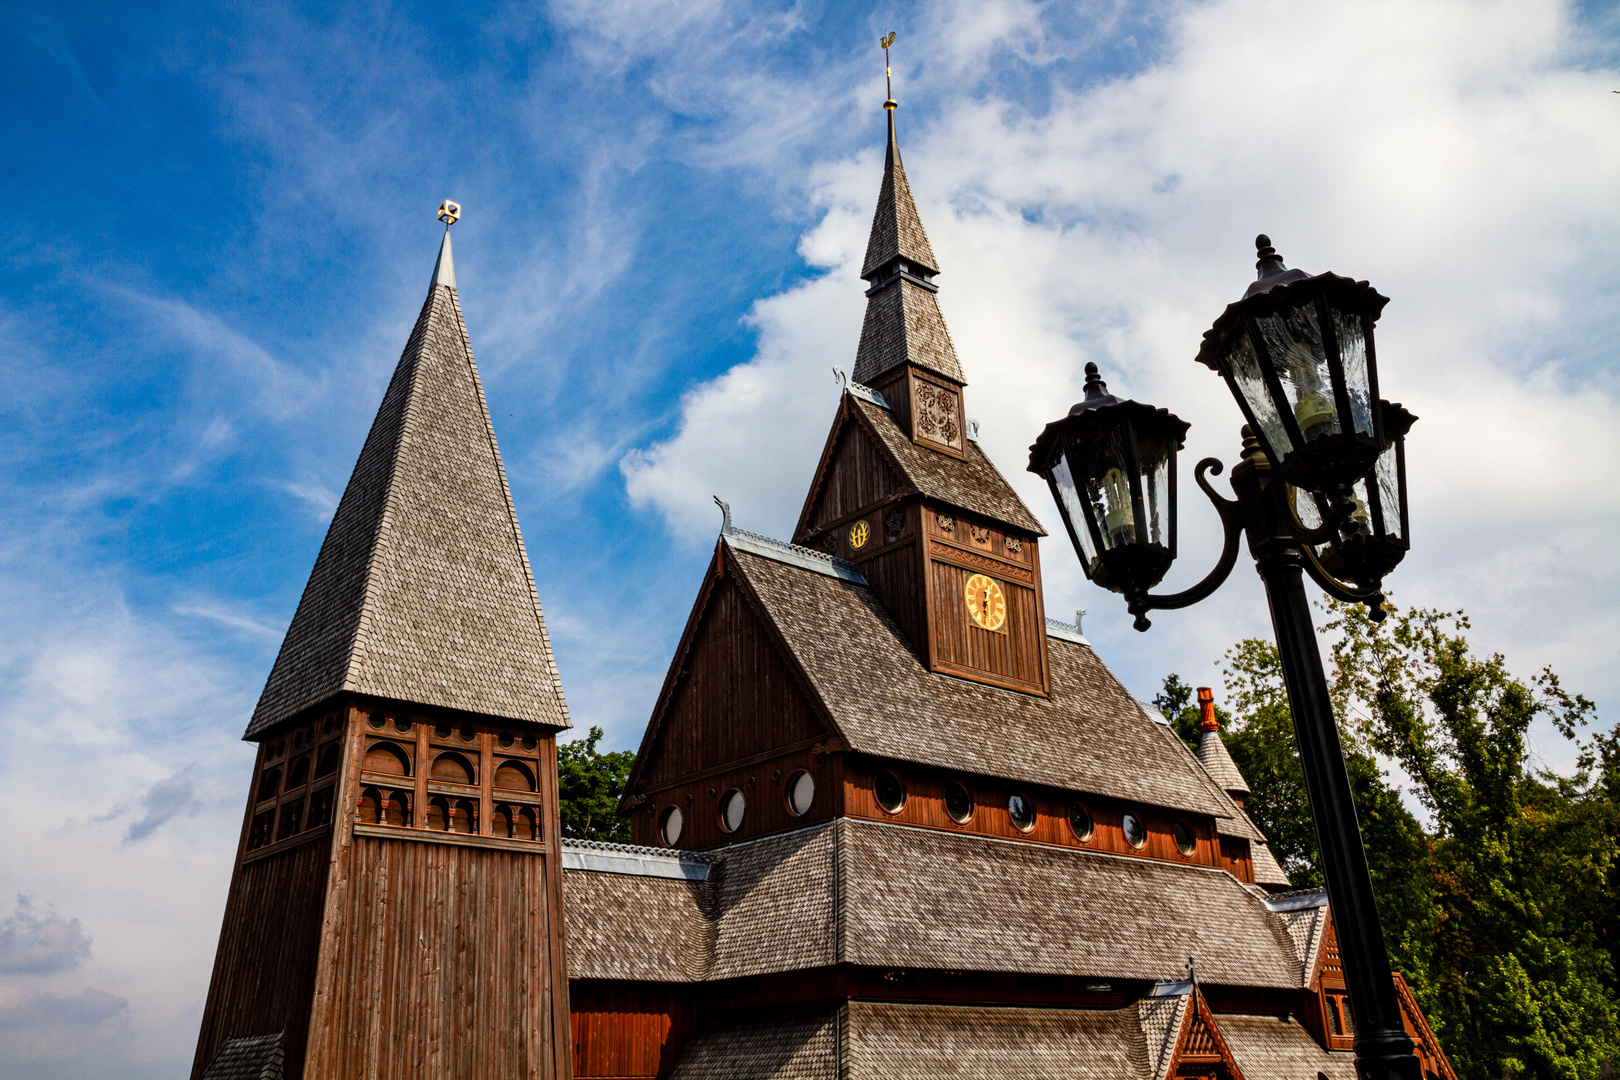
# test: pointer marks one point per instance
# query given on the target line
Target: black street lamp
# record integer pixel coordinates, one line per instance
(1321, 490)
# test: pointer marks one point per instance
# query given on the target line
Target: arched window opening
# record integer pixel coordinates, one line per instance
(527, 824)
(500, 821)
(388, 759)
(292, 820)
(263, 830)
(370, 809)
(438, 818)
(464, 817)
(453, 769)
(299, 774)
(398, 808)
(514, 776)
(270, 784)
(326, 764)
(320, 807)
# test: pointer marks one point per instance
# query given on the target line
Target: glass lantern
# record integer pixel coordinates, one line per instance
(1111, 465)
(1379, 533)
(1297, 354)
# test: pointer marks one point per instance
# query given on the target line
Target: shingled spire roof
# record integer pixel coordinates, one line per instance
(422, 590)
(903, 321)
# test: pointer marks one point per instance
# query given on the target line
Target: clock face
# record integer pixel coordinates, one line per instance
(859, 533)
(986, 603)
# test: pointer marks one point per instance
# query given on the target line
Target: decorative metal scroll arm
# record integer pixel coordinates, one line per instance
(1139, 604)
(1371, 595)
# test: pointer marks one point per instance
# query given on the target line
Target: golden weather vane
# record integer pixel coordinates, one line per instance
(888, 78)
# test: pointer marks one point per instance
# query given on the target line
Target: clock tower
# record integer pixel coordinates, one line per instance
(902, 488)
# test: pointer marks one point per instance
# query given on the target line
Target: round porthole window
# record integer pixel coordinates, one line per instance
(1022, 812)
(1184, 837)
(1135, 831)
(958, 803)
(891, 794)
(669, 825)
(732, 806)
(801, 792)
(1080, 821)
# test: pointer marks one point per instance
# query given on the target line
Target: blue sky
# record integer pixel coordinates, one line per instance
(221, 226)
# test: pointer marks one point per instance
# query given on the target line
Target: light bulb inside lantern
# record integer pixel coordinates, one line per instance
(1120, 523)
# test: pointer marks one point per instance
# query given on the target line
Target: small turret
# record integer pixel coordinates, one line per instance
(1212, 751)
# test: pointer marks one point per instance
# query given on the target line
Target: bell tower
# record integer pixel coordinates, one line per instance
(903, 489)
(395, 908)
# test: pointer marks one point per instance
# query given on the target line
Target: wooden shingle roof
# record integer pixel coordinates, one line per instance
(422, 591)
(1089, 736)
(883, 895)
(897, 231)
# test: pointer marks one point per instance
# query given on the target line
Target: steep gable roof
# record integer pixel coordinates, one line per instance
(971, 483)
(422, 591)
(1089, 736)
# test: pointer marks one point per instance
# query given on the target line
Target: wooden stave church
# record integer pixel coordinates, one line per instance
(436, 925)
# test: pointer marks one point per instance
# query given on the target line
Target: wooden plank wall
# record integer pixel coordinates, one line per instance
(738, 698)
(857, 477)
(264, 971)
(764, 787)
(628, 1031)
(925, 805)
(437, 966)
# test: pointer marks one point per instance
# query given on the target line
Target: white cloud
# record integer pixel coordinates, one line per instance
(1458, 155)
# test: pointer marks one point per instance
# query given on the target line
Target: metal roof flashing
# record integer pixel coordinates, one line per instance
(634, 860)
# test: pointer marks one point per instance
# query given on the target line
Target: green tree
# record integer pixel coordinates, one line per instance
(1502, 908)
(589, 784)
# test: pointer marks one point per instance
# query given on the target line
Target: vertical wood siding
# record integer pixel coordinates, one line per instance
(628, 1031)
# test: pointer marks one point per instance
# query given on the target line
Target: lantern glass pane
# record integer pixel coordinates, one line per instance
(1305, 507)
(1353, 352)
(1153, 456)
(1074, 509)
(1293, 340)
(1251, 384)
(1387, 472)
(1108, 489)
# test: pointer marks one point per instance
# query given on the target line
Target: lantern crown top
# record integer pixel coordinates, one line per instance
(1097, 394)
(1269, 269)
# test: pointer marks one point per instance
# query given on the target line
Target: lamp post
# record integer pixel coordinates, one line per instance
(1321, 491)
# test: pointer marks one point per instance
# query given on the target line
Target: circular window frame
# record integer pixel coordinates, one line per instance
(664, 816)
(787, 792)
(1034, 814)
(725, 801)
(1091, 822)
(972, 804)
(1126, 832)
(898, 807)
(1179, 827)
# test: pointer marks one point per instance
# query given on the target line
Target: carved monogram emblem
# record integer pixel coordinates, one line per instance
(894, 523)
(828, 543)
(946, 522)
(980, 536)
(935, 417)
(1014, 545)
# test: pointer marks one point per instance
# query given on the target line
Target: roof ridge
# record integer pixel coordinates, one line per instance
(784, 551)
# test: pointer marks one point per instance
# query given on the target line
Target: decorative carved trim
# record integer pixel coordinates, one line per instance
(950, 552)
(894, 524)
(1014, 545)
(981, 534)
(425, 836)
(946, 522)
(934, 415)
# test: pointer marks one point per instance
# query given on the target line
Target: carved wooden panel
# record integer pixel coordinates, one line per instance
(936, 414)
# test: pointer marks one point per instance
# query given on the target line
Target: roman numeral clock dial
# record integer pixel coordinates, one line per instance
(986, 603)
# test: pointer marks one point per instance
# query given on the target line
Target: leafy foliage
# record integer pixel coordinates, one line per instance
(589, 784)
(1502, 907)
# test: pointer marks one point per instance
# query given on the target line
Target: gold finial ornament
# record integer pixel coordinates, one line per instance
(888, 78)
(449, 212)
